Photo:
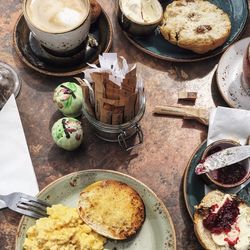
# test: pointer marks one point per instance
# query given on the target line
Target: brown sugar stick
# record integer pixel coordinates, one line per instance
(106, 113)
(93, 86)
(113, 102)
(98, 79)
(109, 84)
(86, 96)
(129, 83)
(97, 108)
(129, 109)
(110, 89)
(117, 115)
(125, 93)
(112, 93)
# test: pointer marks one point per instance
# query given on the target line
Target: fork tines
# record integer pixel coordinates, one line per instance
(29, 207)
(32, 206)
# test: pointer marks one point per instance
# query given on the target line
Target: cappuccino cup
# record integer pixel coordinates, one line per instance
(246, 69)
(59, 25)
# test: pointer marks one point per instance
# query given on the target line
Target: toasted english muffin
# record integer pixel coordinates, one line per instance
(196, 25)
(221, 241)
(112, 209)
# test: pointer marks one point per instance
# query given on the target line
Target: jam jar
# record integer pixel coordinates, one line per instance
(229, 176)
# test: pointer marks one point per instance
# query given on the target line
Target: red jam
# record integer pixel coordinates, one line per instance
(229, 174)
(231, 243)
(213, 207)
(224, 218)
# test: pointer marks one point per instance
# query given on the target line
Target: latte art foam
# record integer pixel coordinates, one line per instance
(56, 16)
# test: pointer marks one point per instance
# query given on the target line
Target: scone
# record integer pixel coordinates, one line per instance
(222, 221)
(195, 25)
(112, 209)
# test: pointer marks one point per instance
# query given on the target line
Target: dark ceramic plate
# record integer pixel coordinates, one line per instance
(194, 186)
(40, 60)
(158, 47)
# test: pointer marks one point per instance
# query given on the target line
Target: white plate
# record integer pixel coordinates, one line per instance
(157, 232)
(229, 76)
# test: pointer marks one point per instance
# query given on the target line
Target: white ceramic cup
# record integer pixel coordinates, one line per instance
(246, 68)
(60, 42)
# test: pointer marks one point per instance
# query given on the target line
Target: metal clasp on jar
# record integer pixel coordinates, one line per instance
(122, 138)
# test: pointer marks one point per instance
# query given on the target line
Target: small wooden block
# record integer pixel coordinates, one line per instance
(184, 95)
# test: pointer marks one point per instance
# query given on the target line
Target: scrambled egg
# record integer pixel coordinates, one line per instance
(62, 230)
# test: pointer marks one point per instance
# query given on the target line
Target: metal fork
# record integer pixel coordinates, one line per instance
(26, 204)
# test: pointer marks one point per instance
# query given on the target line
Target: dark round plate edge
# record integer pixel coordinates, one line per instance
(172, 59)
(230, 104)
(62, 74)
(113, 172)
(185, 177)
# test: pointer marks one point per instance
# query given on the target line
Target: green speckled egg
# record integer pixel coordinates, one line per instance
(69, 99)
(67, 133)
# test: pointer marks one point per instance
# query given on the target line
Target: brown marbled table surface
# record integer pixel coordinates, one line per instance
(169, 142)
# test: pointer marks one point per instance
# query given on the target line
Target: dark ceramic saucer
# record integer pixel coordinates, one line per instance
(194, 185)
(44, 61)
(50, 57)
(155, 45)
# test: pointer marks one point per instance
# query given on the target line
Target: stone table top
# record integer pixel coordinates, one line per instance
(168, 144)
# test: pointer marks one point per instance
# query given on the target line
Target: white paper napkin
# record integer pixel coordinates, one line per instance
(229, 123)
(110, 62)
(16, 169)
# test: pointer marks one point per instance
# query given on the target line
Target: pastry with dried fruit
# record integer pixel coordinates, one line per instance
(196, 25)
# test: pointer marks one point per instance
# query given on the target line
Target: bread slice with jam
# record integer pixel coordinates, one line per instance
(222, 222)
